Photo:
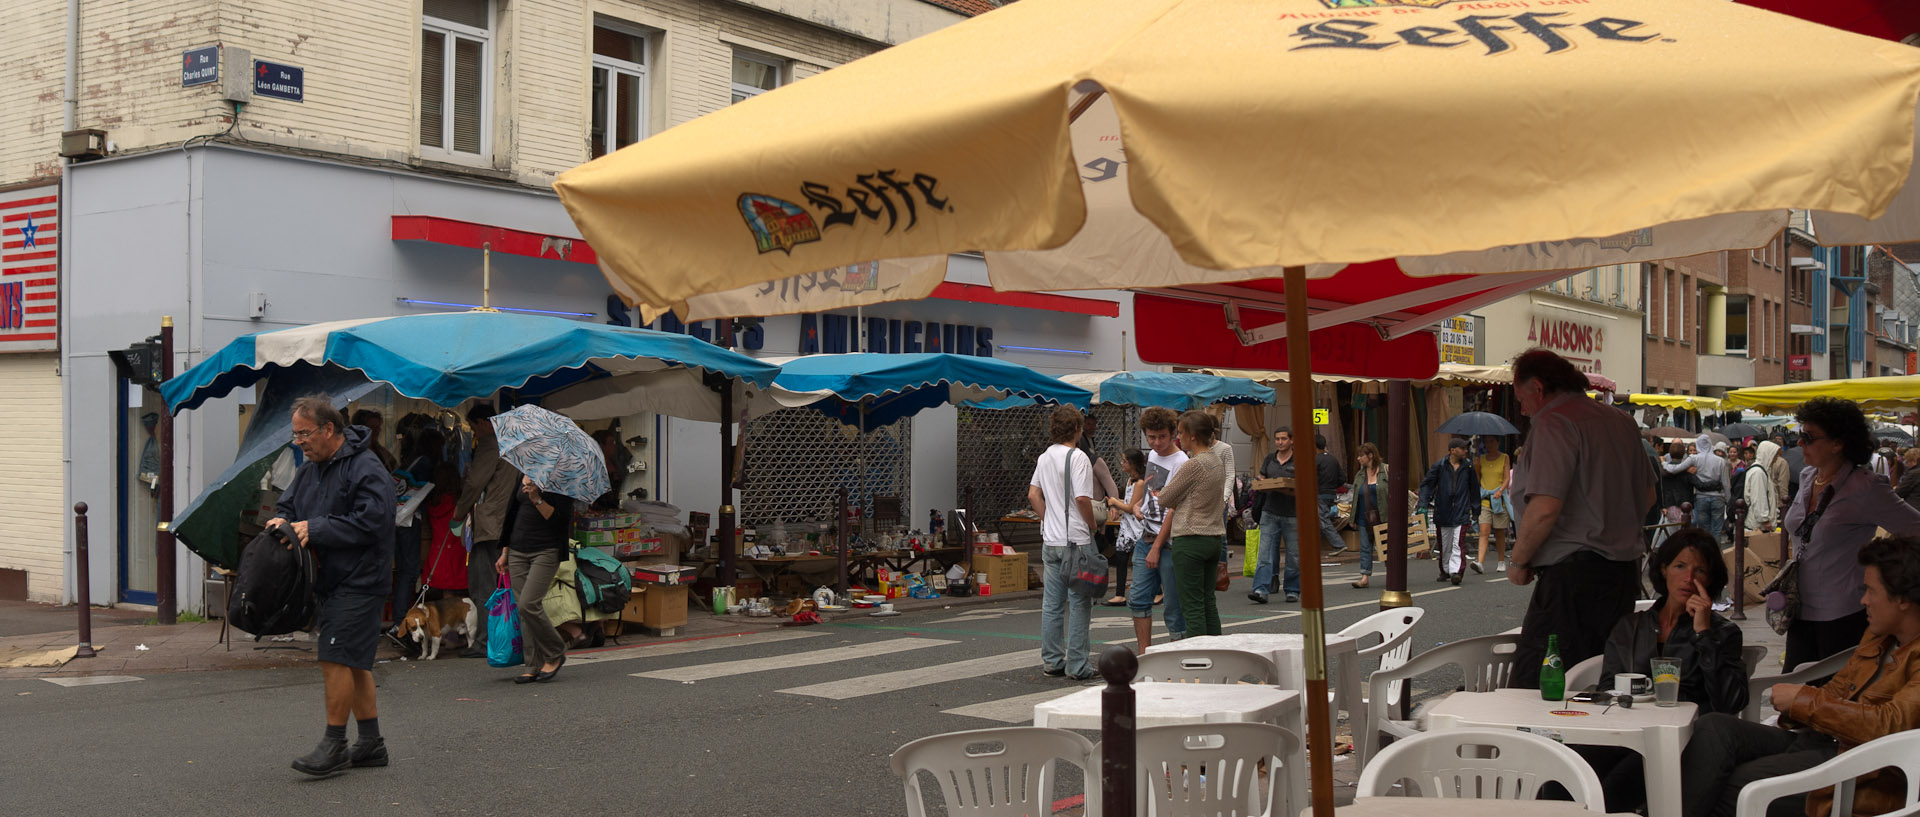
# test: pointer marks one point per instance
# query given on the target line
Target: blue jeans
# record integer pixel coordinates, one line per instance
(1329, 537)
(1063, 614)
(1710, 513)
(1275, 529)
(1361, 504)
(1149, 582)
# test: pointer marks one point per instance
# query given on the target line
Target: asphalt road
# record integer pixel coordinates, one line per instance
(788, 721)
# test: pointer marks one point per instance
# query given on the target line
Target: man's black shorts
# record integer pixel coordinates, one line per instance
(347, 628)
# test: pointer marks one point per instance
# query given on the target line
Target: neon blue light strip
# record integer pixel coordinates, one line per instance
(418, 302)
(1045, 349)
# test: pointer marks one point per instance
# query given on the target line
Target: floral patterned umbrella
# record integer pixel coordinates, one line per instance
(551, 450)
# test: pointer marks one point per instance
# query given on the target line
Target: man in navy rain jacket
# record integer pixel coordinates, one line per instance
(341, 506)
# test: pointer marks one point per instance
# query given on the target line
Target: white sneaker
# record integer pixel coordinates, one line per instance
(1476, 566)
(1502, 567)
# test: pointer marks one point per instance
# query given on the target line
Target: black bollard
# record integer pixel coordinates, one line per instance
(1118, 666)
(1739, 560)
(82, 578)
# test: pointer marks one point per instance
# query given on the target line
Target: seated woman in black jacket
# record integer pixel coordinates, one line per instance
(1687, 573)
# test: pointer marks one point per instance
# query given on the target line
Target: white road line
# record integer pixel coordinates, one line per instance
(1011, 710)
(92, 680)
(701, 672)
(864, 685)
(684, 647)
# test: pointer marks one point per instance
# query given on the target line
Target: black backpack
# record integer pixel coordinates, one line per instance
(273, 589)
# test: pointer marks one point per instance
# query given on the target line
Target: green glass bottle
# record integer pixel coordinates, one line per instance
(1553, 672)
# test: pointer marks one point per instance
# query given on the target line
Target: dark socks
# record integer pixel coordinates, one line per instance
(338, 733)
(369, 728)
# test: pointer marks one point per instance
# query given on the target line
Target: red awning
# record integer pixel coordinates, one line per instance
(451, 232)
(1185, 332)
(1886, 19)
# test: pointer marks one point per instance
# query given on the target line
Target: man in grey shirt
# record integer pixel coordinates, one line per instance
(1580, 490)
(1711, 480)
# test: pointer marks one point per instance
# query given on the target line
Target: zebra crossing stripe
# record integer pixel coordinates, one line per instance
(1011, 710)
(684, 647)
(722, 669)
(864, 685)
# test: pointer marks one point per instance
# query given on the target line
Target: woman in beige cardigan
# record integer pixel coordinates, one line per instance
(1195, 524)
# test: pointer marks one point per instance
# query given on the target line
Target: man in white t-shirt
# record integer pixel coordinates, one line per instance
(1163, 461)
(1061, 493)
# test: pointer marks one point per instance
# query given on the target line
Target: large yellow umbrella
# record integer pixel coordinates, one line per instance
(1267, 133)
(1259, 135)
(1895, 393)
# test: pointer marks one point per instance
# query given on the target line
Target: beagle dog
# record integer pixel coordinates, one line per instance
(430, 621)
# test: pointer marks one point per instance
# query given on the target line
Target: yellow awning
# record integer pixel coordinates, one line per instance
(1898, 393)
(1686, 401)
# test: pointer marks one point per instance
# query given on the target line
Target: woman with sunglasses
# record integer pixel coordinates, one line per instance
(1840, 503)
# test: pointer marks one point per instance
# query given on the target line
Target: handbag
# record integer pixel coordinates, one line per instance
(503, 628)
(1086, 568)
(1783, 598)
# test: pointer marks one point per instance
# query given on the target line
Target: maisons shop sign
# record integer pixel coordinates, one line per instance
(1576, 341)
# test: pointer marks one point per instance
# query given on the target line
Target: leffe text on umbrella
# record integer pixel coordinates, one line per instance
(778, 224)
(1484, 28)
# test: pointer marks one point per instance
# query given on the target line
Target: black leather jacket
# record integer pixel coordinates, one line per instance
(1712, 672)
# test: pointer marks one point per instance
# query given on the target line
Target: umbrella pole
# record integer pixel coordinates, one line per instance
(1399, 394)
(1312, 615)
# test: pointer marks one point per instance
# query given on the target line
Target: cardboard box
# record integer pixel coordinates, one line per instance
(1770, 546)
(1273, 483)
(661, 607)
(1759, 574)
(643, 547)
(663, 574)
(1005, 574)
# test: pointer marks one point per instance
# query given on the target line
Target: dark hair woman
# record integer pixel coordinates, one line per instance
(1687, 574)
(1840, 504)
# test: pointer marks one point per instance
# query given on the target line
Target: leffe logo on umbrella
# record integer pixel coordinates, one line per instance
(881, 197)
(1544, 27)
(1358, 4)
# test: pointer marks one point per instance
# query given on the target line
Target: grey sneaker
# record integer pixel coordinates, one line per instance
(1293, 598)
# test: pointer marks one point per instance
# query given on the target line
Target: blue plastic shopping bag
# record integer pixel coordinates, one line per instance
(503, 629)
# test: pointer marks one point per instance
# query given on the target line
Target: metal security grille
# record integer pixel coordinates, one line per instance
(997, 450)
(798, 459)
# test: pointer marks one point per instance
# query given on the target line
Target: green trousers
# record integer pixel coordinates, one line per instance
(1196, 561)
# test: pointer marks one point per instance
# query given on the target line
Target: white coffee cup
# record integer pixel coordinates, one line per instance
(1631, 683)
(885, 608)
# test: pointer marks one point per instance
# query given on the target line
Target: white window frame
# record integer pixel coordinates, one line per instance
(452, 30)
(614, 68)
(782, 74)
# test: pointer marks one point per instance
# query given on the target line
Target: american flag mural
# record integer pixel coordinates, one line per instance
(29, 286)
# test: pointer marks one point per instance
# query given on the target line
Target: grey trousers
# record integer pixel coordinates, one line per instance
(532, 575)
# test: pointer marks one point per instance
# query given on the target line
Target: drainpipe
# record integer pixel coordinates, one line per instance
(70, 117)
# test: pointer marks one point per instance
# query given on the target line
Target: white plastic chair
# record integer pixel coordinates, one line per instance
(1585, 675)
(1214, 769)
(1006, 772)
(1760, 690)
(1483, 764)
(1394, 631)
(1486, 663)
(1900, 750)
(1177, 666)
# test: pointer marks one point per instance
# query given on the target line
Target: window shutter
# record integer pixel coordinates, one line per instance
(433, 85)
(467, 81)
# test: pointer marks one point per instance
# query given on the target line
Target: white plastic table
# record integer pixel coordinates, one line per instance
(1164, 704)
(1657, 732)
(1287, 652)
(1454, 807)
